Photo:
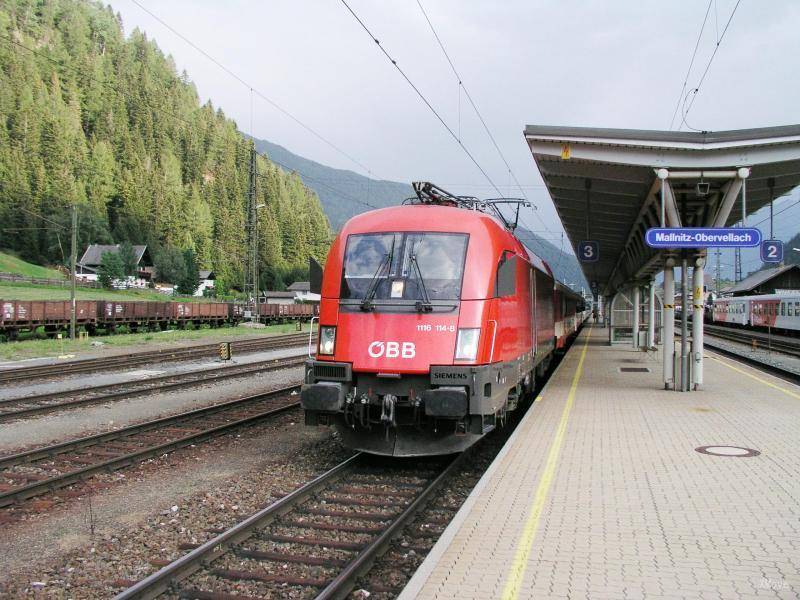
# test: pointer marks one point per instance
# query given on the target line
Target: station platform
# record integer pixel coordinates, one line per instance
(601, 492)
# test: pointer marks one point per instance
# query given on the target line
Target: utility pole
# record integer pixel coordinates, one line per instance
(251, 263)
(72, 258)
(738, 264)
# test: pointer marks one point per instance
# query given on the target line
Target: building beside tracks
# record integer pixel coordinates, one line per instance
(768, 281)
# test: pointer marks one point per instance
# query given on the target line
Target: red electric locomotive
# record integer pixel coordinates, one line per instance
(434, 323)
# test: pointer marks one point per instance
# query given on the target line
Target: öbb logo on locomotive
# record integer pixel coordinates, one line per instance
(380, 349)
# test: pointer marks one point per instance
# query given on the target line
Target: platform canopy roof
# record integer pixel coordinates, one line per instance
(605, 187)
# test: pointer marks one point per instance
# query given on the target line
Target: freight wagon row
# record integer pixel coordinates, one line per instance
(54, 316)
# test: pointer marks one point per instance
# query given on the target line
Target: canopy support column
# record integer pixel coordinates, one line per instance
(668, 322)
(636, 311)
(651, 316)
(684, 325)
(697, 323)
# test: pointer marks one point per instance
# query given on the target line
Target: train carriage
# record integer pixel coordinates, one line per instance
(732, 311)
(18, 316)
(53, 315)
(776, 311)
(780, 312)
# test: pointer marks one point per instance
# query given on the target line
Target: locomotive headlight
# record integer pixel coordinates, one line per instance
(327, 340)
(467, 344)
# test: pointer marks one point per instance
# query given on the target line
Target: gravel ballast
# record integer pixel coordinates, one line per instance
(176, 499)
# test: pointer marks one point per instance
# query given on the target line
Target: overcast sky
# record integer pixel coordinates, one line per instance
(591, 63)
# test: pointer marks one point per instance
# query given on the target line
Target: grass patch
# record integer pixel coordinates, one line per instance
(16, 266)
(26, 291)
(137, 341)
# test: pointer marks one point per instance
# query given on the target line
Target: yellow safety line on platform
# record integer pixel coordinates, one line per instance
(520, 563)
(751, 376)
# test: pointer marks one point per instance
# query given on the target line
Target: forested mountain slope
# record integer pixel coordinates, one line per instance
(91, 117)
(343, 193)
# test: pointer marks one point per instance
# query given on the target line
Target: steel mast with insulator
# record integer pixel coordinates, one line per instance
(251, 228)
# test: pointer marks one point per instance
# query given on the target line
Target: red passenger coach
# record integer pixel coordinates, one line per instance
(435, 321)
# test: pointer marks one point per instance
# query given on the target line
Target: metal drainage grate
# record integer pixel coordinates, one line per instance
(634, 370)
(735, 451)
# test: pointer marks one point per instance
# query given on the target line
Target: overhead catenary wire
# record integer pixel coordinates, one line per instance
(696, 89)
(421, 96)
(475, 108)
(253, 89)
(691, 64)
(757, 258)
(469, 98)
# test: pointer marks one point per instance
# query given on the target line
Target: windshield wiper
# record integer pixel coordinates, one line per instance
(425, 305)
(372, 289)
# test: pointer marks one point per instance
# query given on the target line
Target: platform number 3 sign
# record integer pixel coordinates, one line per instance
(588, 251)
(772, 251)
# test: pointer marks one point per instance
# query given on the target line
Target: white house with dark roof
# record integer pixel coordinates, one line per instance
(207, 279)
(302, 292)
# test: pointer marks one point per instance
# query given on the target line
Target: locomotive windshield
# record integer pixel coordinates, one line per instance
(404, 266)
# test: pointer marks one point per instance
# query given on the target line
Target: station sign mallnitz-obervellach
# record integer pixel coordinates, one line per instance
(702, 237)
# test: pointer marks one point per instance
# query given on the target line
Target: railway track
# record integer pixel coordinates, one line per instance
(774, 369)
(314, 542)
(41, 470)
(28, 406)
(763, 340)
(133, 359)
(754, 361)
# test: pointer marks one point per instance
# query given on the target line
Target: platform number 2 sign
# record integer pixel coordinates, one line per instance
(772, 251)
(589, 251)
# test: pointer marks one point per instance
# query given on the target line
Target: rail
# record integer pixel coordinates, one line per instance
(763, 341)
(759, 340)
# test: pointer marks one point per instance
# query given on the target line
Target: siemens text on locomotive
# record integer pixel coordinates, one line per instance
(435, 322)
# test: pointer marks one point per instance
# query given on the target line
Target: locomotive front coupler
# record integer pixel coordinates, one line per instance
(387, 412)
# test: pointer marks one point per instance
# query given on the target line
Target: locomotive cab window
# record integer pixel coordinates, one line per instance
(404, 266)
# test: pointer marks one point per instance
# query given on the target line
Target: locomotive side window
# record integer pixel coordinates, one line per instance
(404, 266)
(506, 275)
